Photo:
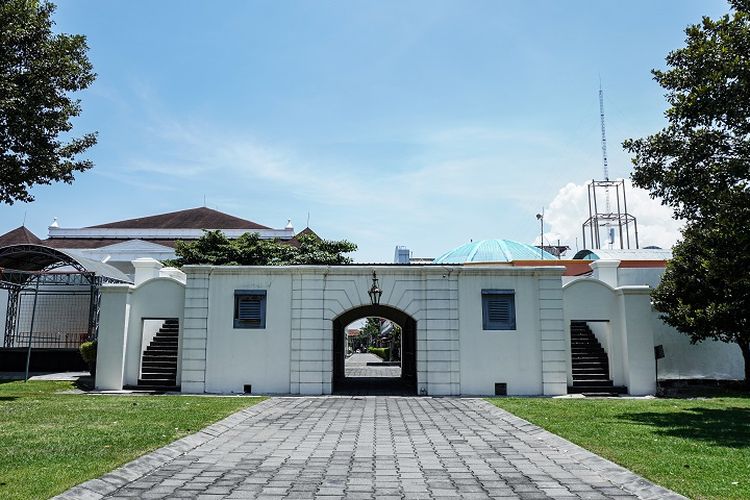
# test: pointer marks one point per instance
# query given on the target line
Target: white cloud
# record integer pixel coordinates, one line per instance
(569, 209)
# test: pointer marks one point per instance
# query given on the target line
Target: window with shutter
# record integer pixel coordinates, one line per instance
(249, 308)
(498, 309)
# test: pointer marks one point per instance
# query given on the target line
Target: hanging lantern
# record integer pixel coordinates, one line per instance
(375, 292)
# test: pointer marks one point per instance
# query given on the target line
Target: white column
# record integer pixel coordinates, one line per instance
(195, 331)
(146, 268)
(638, 339)
(606, 270)
(113, 336)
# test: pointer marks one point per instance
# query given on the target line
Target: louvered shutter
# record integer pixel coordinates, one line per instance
(249, 309)
(498, 310)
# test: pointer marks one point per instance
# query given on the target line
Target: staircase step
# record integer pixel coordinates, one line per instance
(592, 383)
(598, 391)
(589, 377)
(158, 376)
(149, 383)
(167, 387)
(591, 365)
(161, 352)
(159, 364)
(590, 369)
(159, 359)
(159, 367)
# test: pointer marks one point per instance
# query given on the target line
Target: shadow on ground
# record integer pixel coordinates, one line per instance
(729, 427)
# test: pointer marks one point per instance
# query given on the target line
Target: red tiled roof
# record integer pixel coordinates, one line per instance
(98, 242)
(19, 236)
(192, 218)
(307, 231)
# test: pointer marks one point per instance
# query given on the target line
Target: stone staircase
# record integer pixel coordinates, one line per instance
(159, 362)
(590, 364)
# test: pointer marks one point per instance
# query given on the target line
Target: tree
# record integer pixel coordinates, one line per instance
(705, 290)
(215, 248)
(699, 164)
(38, 70)
(370, 332)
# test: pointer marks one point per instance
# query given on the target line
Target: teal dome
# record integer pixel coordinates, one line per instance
(493, 251)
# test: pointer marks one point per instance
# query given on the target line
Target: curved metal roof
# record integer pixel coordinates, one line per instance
(496, 250)
(624, 254)
(41, 258)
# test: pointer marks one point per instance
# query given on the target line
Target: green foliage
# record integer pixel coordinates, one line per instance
(88, 351)
(705, 290)
(50, 442)
(216, 249)
(382, 352)
(371, 328)
(38, 69)
(700, 165)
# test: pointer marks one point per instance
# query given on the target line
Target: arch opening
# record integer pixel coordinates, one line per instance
(392, 333)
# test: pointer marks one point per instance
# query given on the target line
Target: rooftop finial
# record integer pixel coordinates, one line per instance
(54, 223)
(289, 224)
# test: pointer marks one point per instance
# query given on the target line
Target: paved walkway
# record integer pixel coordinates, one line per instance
(371, 447)
(356, 366)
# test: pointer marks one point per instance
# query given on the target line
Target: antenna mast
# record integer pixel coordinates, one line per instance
(604, 143)
(618, 222)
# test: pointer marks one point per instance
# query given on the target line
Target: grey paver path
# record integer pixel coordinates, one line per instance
(371, 447)
(356, 366)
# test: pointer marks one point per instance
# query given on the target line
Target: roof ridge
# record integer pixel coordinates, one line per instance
(190, 218)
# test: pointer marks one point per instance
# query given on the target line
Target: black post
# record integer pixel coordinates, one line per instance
(31, 329)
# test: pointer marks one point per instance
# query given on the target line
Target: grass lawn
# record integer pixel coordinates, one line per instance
(50, 442)
(697, 447)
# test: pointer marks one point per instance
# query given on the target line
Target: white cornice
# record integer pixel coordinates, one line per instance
(167, 234)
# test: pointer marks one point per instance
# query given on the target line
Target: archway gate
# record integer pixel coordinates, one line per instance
(406, 383)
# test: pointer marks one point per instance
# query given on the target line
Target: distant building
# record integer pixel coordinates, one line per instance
(403, 255)
(119, 243)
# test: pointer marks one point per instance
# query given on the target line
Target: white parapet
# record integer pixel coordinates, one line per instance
(174, 273)
(146, 268)
(606, 270)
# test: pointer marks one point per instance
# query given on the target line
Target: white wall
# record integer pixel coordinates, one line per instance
(650, 276)
(294, 352)
(589, 299)
(259, 357)
(114, 318)
(123, 309)
(513, 356)
(158, 298)
(707, 360)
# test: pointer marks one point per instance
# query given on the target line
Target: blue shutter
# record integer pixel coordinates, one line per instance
(498, 310)
(250, 309)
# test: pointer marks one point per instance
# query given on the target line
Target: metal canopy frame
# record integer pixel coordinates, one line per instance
(24, 269)
(619, 219)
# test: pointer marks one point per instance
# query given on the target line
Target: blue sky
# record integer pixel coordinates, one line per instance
(423, 124)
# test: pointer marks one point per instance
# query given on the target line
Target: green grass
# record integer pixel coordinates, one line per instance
(50, 442)
(697, 447)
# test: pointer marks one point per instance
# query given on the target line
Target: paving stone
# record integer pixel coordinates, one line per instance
(371, 447)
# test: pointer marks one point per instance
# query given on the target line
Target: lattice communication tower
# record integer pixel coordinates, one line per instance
(617, 224)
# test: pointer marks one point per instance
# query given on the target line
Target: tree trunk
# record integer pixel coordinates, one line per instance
(745, 348)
